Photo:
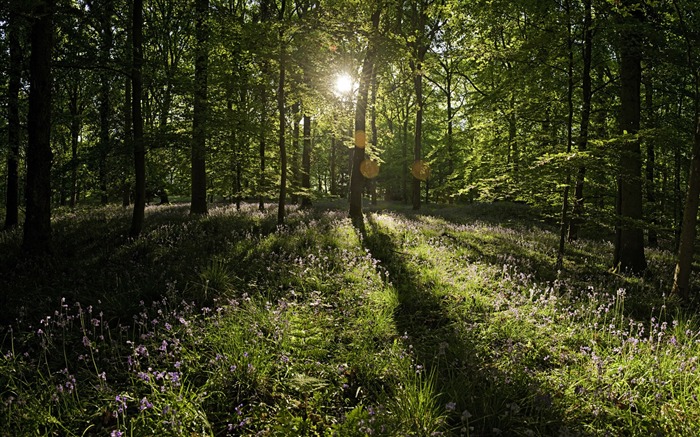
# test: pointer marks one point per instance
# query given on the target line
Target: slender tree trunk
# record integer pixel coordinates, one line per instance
(418, 138)
(373, 124)
(296, 170)
(105, 47)
(569, 139)
(199, 122)
(333, 176)
(404, 156)
(13, 125)
(74, 109)
(681, 277)
(652, 236)
(686, 249)
(629, 248)
(37, 223)
(282, 128)
(357, 180)
(577, 212)
(306, 165)
(137, 121)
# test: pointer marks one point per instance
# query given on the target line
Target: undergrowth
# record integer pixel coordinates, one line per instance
(451, 322)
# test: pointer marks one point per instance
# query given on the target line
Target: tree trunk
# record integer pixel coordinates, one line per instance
(418, 138)
(296, 170)
(333, 176)
(74, 109)
(199, 122)
(282, 128)
(681, 277)
(652, 236)
(306, 165)
(357, 180)
(105, 47)
(577, 212)
(629, 247)
(137, 120)
(373, 126)
(13, 125)
(37, 223)
(569, 139)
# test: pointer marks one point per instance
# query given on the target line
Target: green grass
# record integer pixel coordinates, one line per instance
(450, 322)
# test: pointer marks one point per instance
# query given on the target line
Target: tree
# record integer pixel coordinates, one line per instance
(199, 123)
(357, 180)
(137, 119)
(629, 241)
(13, 124)
(686, 249)
(37, 223)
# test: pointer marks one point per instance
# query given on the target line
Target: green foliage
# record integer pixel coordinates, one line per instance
(451, 323)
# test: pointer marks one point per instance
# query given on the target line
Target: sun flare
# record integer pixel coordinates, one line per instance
(343, 84)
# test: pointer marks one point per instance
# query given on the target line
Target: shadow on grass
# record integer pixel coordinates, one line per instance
(485, 398)
(95, 263)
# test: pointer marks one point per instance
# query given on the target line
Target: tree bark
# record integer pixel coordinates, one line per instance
(681, 277)
(74, 109)
(587, 94)
(629, 247)
(199, 122)
(281, 205)
(37, 223)
(357, 180)
(137, 120)
(13, 125)
(306, 164)
(569, 139)
(105, 47)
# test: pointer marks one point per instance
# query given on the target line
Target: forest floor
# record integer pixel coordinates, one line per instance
(448, 322)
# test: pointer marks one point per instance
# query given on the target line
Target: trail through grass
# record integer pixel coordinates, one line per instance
(450, 322)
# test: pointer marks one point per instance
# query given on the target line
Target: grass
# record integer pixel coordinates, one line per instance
(451, 322)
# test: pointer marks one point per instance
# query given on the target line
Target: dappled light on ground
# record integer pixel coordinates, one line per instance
(449, 323)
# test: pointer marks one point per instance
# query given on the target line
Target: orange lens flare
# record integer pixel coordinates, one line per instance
(420, 170)
(369, 169)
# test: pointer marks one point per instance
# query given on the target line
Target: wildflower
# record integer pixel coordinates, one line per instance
(450, 406)
(145, 404)
(116, 433)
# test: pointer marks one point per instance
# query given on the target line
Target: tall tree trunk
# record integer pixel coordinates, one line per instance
(37, 223)
(105, 48)
(418, 138)
(128, 131)
(569, 139)
(199, 122)
(587, 95)
(281, 205)
(137, 120)
(296, 170)
(686, 249)
(373, 126)
(629, 247)
(306, 164)
(13, 125)
(681, 277)
(357, 180)
(74, 109)
(404, 156)
(333, 176)
(652, 236)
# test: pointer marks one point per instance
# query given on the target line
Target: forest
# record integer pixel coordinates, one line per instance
(349, 218)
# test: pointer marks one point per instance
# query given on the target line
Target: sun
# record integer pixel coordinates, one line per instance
(344, 84)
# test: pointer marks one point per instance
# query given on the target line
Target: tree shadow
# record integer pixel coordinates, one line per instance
(480, 398)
